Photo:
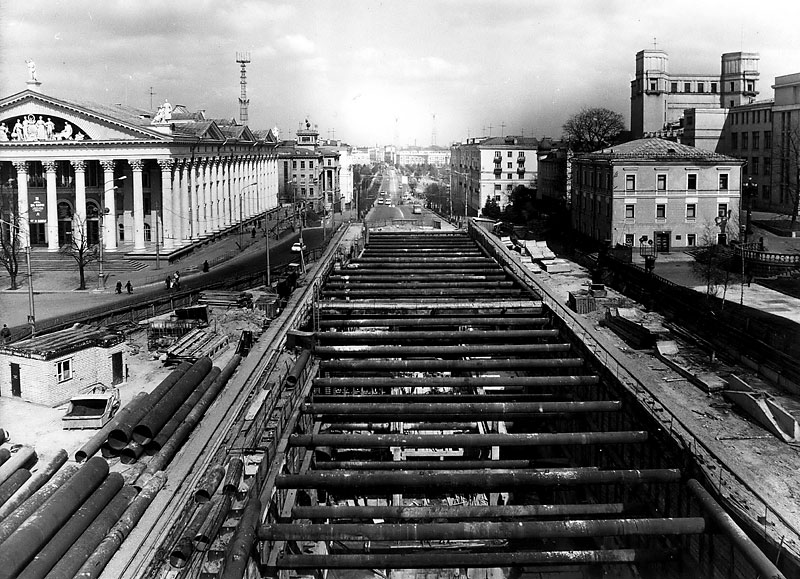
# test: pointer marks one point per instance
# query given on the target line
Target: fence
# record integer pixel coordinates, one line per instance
(775, 527)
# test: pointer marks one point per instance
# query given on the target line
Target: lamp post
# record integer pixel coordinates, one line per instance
(649, 252)
(748, 192)
(101, 280)
(241, 214)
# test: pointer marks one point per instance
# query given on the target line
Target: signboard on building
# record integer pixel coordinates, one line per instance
(37, 209)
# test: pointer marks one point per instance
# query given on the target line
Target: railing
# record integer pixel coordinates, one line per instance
(765, 257)
(714, 468)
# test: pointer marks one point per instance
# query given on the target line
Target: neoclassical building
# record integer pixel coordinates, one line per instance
(174, 177)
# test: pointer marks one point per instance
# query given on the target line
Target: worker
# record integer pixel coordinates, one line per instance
(205, 263)
(129, 287)
(119, 287)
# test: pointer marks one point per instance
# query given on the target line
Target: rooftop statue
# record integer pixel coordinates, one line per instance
(31, 71)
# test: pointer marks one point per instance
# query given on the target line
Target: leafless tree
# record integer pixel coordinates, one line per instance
(593, 128)
(10, 238)
(789, 169)
(80, 249)
(713, 262)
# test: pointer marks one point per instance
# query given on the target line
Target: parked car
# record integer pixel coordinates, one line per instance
(297, 247)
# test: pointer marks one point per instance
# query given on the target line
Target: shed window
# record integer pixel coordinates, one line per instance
(64, 370)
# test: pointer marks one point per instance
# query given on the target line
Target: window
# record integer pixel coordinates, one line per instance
(302, 164)
(311, 191)
(723, 181)
(722, 210)
(147, 232)
(498, 198)
(744, 140)
(751, 86)
(755, 166)
(767, 140)
(509, 165)
(629, 239)
(691, 239)
(64, 370)
(310, 164)
(674, 87)
(294, 164)
(661, 182)
(509, 175)
(510, 154)
(691, 181)
(714, 87)
(732, 88)
(630, 211)
(497, 186)
(756, 136)
(687, 87)
(661, 211)
(766, 192)
(121, 229)
(734, 140)
(653, 85)
(701, 87)
(767, 165)
(630, 182)
(329, 162)
(691, 212)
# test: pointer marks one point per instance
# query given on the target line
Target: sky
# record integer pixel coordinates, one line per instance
(376, 72)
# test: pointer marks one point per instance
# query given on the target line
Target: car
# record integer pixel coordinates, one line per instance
(297, 247)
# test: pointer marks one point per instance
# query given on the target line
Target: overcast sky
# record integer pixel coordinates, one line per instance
(370, 72)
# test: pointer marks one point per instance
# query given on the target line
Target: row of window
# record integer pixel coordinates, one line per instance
(661, 182)
(661, 211)
(751, 117)
(691, 239)
(509, 154)
(752, 140)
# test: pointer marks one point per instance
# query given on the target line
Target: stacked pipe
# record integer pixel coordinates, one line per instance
(52, 525)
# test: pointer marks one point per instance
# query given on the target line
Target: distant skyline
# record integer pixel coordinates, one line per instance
(376, 72)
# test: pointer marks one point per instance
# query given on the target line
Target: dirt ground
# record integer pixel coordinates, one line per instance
(40, 426)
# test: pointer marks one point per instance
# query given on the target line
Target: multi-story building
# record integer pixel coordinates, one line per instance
(433, 155)
(656, 190)
(659, 98)
(486, 167)
(128, 177)
(309, 171)
(555, 172)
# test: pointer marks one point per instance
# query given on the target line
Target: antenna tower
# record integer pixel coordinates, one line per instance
(243, 58)
(433, 133)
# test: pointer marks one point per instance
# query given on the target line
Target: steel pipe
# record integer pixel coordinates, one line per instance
(233, 476)
(483, 365)
(455, 560)
(30, 505)
(183, 549)
(358, 293)
(210, 527)
(13, 484)
(5, 454)
(131, 453)
(424, 465)
(429, 336)
(457, 511)
(415, 398)
(25, 456)
(165, 407)
(60, 543)
(209, 483)
(297, 369)
(434, 481)
(84, 546)
(444, 305)
(180, 415)
(238, 555)
(420, 322)
(430, 351)
(455, 382)
(119, 436)
(96, 442)
(762, 565)
(455, 408)
(18, 549)
(97, 561)
(171, 446)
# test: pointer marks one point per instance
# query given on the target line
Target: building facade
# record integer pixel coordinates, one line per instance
(656, 190)
(433, 155)
(483, 168)
(658, 97)
(128, 177)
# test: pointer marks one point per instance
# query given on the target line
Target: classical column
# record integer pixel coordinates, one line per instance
(166, 202)
(174, 217)
(52, 206)
(236, 215)
(22, 203)
(185, 215)
(206, 172)
(217, 170)
(110, 203)
(226, 192)
(80, 225)
(138, 203)
(193, 204)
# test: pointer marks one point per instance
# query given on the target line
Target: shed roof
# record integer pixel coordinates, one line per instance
(62, 342)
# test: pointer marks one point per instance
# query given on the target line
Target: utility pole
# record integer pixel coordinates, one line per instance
(152, 94)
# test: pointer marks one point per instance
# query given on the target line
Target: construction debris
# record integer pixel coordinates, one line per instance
(226, 298)
(195, 345)
(761, 407)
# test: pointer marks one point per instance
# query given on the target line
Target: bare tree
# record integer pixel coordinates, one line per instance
(713, 263)
(80, 249)
(10, 238)
(593, 128)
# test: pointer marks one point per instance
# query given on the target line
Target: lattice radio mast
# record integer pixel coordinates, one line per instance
(243, 58)
(433, 132)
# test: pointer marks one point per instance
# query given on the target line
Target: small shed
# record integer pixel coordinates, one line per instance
(52, 368)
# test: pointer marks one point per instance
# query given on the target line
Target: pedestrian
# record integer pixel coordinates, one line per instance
(5, 334)
(119, 287)
(168, 282)
(129, 287)
(253, 233)
(205, 263)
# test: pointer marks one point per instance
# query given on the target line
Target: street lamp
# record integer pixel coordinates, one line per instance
(241, 213)
(15, 235)
(748, 192)
(101, 281)
(649, 252)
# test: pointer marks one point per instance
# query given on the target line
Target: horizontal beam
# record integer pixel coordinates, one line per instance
(417, 322)
(476, 365)
(428, 336)
(455, 304)
(454, 560)
(435, 351)
(456, 381)
(413, 398)
(458, 511)
(466, 440)
(448, 481)
(475, 410)
(424, 464)
(517, 530)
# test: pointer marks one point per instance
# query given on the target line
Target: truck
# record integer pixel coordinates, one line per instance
(91, 410)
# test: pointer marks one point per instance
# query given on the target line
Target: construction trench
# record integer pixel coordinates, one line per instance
(417, 411)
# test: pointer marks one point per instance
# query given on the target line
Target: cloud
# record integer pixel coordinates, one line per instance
(297, 44)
